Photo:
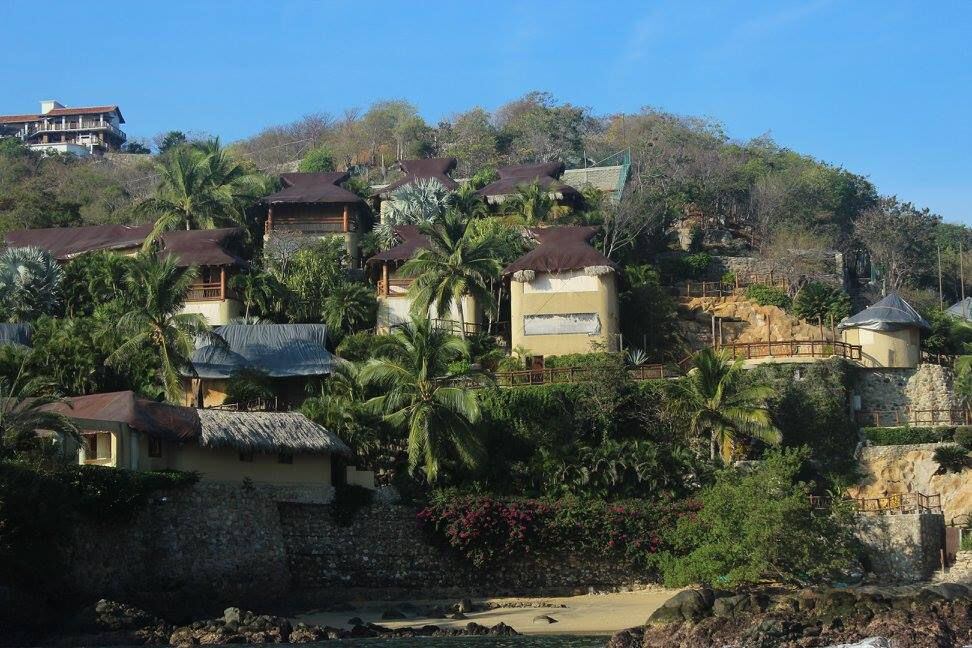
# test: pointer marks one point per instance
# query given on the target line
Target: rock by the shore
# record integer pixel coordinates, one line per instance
(934, 616)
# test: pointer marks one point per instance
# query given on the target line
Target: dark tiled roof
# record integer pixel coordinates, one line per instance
(561, 249)
(192, 247)
(309, 188)
(412, 241)
(436, 168)
(63, 112)
(545, 175)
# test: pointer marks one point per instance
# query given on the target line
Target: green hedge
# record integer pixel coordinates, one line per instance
(768, 296)
(907, 435)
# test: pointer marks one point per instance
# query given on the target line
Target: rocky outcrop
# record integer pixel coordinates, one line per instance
(934, 616)
(742, 321)
(892, 470)
(111, 623)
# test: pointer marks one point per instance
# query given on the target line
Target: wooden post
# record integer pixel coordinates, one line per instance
(384, 279)
(345, 220)
(222, 282)
(820, 326)
(712, 316)
(270, 219)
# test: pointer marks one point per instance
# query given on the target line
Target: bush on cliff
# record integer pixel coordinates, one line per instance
(486, 530)
(907, 435)
(759, 525)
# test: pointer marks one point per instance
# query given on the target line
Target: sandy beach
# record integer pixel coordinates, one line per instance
(597, 614)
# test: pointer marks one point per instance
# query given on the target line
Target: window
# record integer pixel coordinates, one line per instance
(155, 447)
(285, 458)
(97, 446)
(565, 324)
(246, 456)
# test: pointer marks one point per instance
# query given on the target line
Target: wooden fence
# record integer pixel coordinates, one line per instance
(909, 416)
(566, 375)
(725, 288)
(793, 349)
(889, 505)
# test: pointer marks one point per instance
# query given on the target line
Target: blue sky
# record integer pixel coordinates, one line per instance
(881, 88)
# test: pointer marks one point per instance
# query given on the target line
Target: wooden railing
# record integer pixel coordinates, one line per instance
(329, 224)
(205, 292)
(564, 375)
(723, 288)
(395, 287)
(793, 349)
(454, 327)
(909, 416)
(889, 505)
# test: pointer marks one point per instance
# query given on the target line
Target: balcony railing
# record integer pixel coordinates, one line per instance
(793, 349)
(55, 126)
(308, 224)
(394, 287)
(560, 375)
(205, 292)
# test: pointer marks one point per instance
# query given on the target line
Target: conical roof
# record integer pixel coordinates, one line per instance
(890, 314)
(962, 309)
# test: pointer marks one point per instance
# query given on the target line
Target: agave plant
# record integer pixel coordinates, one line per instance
(30, 284)
(636, 357)
(422, 201)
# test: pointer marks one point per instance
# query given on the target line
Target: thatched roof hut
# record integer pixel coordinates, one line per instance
(266, 432)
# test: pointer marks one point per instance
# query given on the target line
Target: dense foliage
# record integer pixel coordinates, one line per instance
(757, 526)
(817, 301)
(486, 530)
(908, 435)
(768, 296)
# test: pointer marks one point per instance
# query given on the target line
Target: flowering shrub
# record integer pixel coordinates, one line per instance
(485, 530)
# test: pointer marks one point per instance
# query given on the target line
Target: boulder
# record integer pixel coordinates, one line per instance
(688, 605)
(503, 630)
(232, 615)
(465, 605)
(543, 618)
(355, 621)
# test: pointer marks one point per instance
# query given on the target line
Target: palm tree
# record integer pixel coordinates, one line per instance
(422, 397)
(534, 205)
(30, 284)
(724, 403)
(258, 289)
(340, 407)
(467, 202)
(456, 263)
(349, 306)
(200, 186)
(418, 202)
(155, 319)
(24, 411)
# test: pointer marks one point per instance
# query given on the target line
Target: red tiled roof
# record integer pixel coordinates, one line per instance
(63, 112)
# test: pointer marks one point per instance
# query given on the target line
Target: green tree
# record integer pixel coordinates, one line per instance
(423, 398)
(533, 205)
(724, 404)
(200, 186)
(94, 278)
(156, 320)
(30, 284)
(317, 160)
(259, 290)
(24, 409)
(455, 264)
(309, 277)
(171, 140)
(760, 525)
(349, 306)
(817, 300)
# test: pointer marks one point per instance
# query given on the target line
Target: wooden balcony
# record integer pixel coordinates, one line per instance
(309, 225)
(202, 292)
(394, 287)
(793, 349)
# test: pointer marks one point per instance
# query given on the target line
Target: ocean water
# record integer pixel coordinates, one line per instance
(553, 641)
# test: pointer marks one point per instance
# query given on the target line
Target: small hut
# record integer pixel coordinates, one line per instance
(546, 175)
(122, 430)
(563, 295)
(961, 310)
(889, 333)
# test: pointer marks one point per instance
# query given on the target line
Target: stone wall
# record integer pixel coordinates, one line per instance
(902, 548)
(384, 548)
(928, 387)
(831, 264)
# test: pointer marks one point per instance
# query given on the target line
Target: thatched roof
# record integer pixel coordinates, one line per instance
(435, 168)
(412, 241)
(189, 247)
(313, 188)
(562, 249)
(266, 432)
(513, 177)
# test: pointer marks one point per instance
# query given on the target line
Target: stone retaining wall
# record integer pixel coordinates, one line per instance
(928, 387)
(902, 548)
(384, 548)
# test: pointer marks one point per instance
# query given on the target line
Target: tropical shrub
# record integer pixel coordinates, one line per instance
(963, 436)
(817, 300)
(951, 458)
(648, 316)
(486, 530)
(768, 296)
(249, 385)
(596, 359)
(907, 435)
(760, 525)
(94, 278)
(685, 266)
(30, 284)
(317, 160)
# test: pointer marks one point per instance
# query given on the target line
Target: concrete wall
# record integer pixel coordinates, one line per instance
(902, 548)
(396, 309)
(887, 349)
(217, 313)
(602, 301)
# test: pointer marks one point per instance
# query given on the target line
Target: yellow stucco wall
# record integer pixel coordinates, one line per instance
(603, 301)
(891, 349)
(217, 313)
(395, 309)
(221, 464)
